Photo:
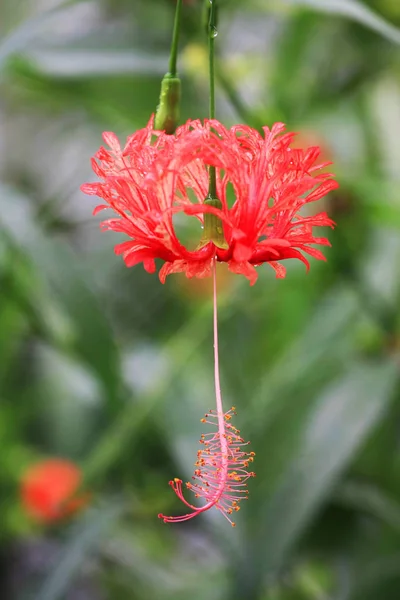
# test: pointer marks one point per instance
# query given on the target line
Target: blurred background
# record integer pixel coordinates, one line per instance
(104, 366)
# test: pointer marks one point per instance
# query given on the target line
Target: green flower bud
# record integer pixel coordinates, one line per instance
(167, 113)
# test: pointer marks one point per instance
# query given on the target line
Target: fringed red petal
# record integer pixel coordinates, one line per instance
(157, 175)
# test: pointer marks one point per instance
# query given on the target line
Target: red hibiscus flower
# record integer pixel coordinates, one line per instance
(157, 175)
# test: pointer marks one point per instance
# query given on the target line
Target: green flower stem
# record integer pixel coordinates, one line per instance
(212, 32)
(213, 228)
(175, 39)
(167, 112)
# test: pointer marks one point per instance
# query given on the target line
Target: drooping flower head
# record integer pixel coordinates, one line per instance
(156, 176)
(253, 215)
(221, 473)
(48, 490)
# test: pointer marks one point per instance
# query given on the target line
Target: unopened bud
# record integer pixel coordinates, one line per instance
(167, 113)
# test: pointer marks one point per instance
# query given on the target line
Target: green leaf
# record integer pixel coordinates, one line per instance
(81, 63)
(84, 539)
(12, 327)
(63, 271)
(179, 348)
(323, 334)
(70, 405)
(378, 577)
(28, 30)
(333, 431)
(369, 499)
(355, 10)
(379, 196)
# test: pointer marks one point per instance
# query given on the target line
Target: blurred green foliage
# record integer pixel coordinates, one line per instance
(105, 366)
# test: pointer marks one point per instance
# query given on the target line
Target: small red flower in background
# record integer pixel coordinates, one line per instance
(157, 175)
(48, 488)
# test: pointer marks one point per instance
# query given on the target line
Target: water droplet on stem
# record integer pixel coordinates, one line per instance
(213, 32)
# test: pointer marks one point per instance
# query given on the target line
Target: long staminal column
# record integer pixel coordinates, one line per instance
(217, 383)
(221, 472)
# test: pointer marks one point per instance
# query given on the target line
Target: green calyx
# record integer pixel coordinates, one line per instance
(167, 113)
(213, 229)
